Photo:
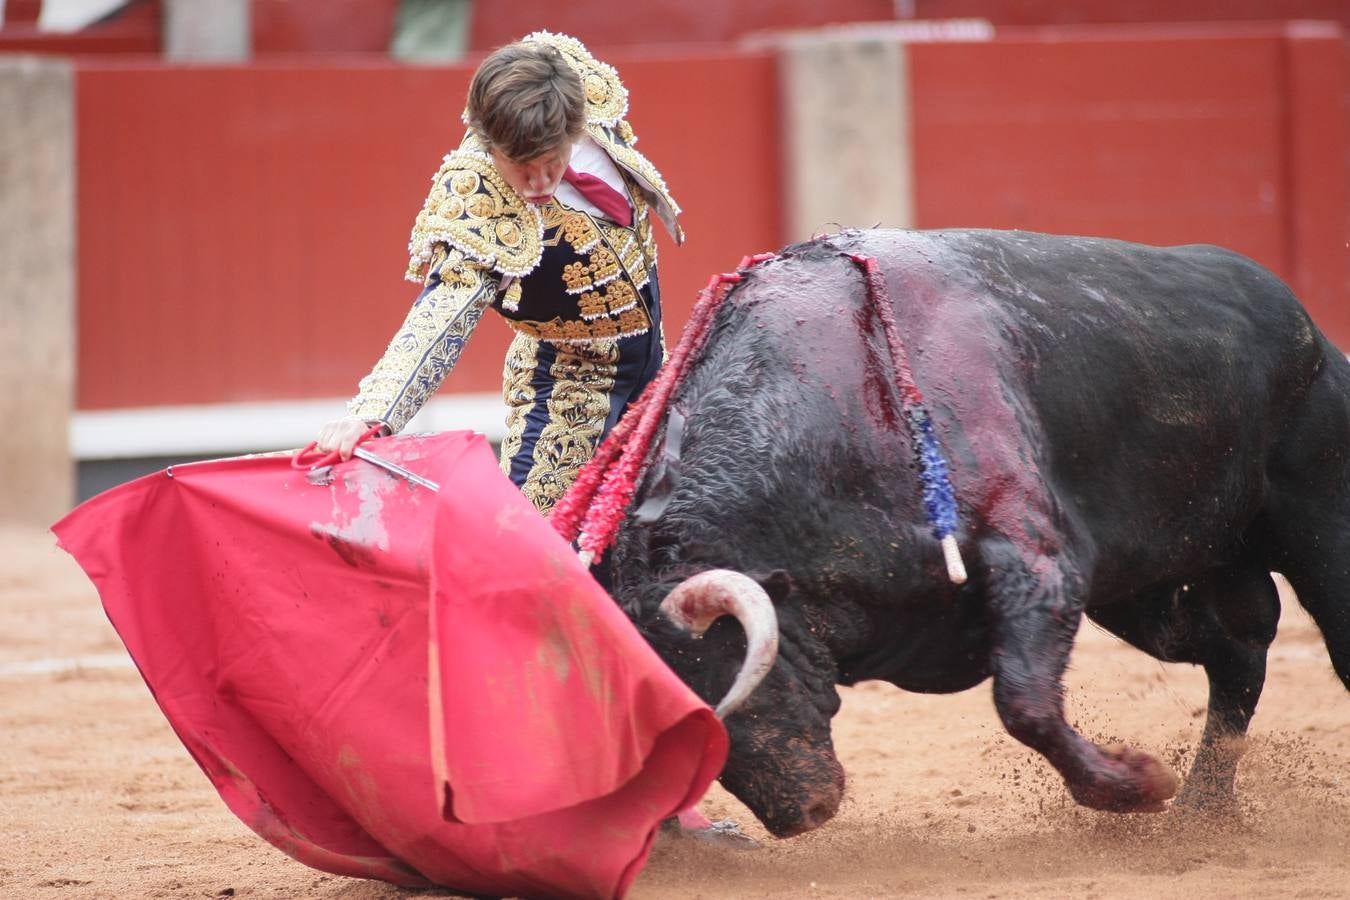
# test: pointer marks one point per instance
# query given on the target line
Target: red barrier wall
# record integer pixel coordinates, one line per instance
(1235, 141)
(330, 26)
(1166, 142)
(1068, 12)
(242, 230)
(344, 26)
(656, 22)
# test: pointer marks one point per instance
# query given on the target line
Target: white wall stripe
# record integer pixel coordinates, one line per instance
(61, 665)
(232, 428)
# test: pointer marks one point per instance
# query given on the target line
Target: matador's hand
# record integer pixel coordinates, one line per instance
(341, 435)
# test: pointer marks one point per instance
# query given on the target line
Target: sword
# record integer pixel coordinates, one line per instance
(320, 465)
(395, 469)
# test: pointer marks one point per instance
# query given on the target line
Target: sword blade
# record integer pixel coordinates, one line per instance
(395, 469)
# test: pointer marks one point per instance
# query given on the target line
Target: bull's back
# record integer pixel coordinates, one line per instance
(1147, 386)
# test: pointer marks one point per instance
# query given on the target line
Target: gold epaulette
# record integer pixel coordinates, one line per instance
(606, 97)
(474, 210)
(629, 158)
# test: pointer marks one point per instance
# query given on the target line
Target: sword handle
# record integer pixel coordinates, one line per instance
(310, 458)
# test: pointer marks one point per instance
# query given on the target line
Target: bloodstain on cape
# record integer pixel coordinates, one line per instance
(388, 682)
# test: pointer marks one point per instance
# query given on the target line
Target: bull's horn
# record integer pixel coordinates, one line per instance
(699, 601)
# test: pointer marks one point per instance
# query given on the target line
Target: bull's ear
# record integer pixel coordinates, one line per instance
(777, 584)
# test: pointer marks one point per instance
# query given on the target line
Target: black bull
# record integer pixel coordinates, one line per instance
(1135, 433)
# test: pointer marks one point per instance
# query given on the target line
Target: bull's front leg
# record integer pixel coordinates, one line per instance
(1036, 608)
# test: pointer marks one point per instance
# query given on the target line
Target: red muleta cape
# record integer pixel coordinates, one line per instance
(388, 682)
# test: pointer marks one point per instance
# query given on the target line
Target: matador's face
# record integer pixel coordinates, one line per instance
(537, 179)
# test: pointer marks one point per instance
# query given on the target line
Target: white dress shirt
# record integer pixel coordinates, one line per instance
(588, 158)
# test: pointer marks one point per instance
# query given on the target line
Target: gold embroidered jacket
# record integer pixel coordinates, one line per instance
(477, 243)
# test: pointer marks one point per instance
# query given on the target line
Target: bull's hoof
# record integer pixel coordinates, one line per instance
(1205, 803)
(1135, 782)
(1208, 796)
(1209, 786)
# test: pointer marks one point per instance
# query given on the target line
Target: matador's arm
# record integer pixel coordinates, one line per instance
(428, 344)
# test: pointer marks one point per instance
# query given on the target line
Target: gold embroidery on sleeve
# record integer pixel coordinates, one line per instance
(427, 345)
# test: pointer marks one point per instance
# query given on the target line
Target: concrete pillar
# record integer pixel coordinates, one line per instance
(846, 131)
(37, 288)
(207, 30)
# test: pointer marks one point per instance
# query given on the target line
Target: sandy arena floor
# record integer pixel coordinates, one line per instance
(98, 798)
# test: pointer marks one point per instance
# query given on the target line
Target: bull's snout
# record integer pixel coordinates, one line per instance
(810, 808)
(815, 809)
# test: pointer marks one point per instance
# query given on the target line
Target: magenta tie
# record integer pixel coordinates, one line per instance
(603, 197)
